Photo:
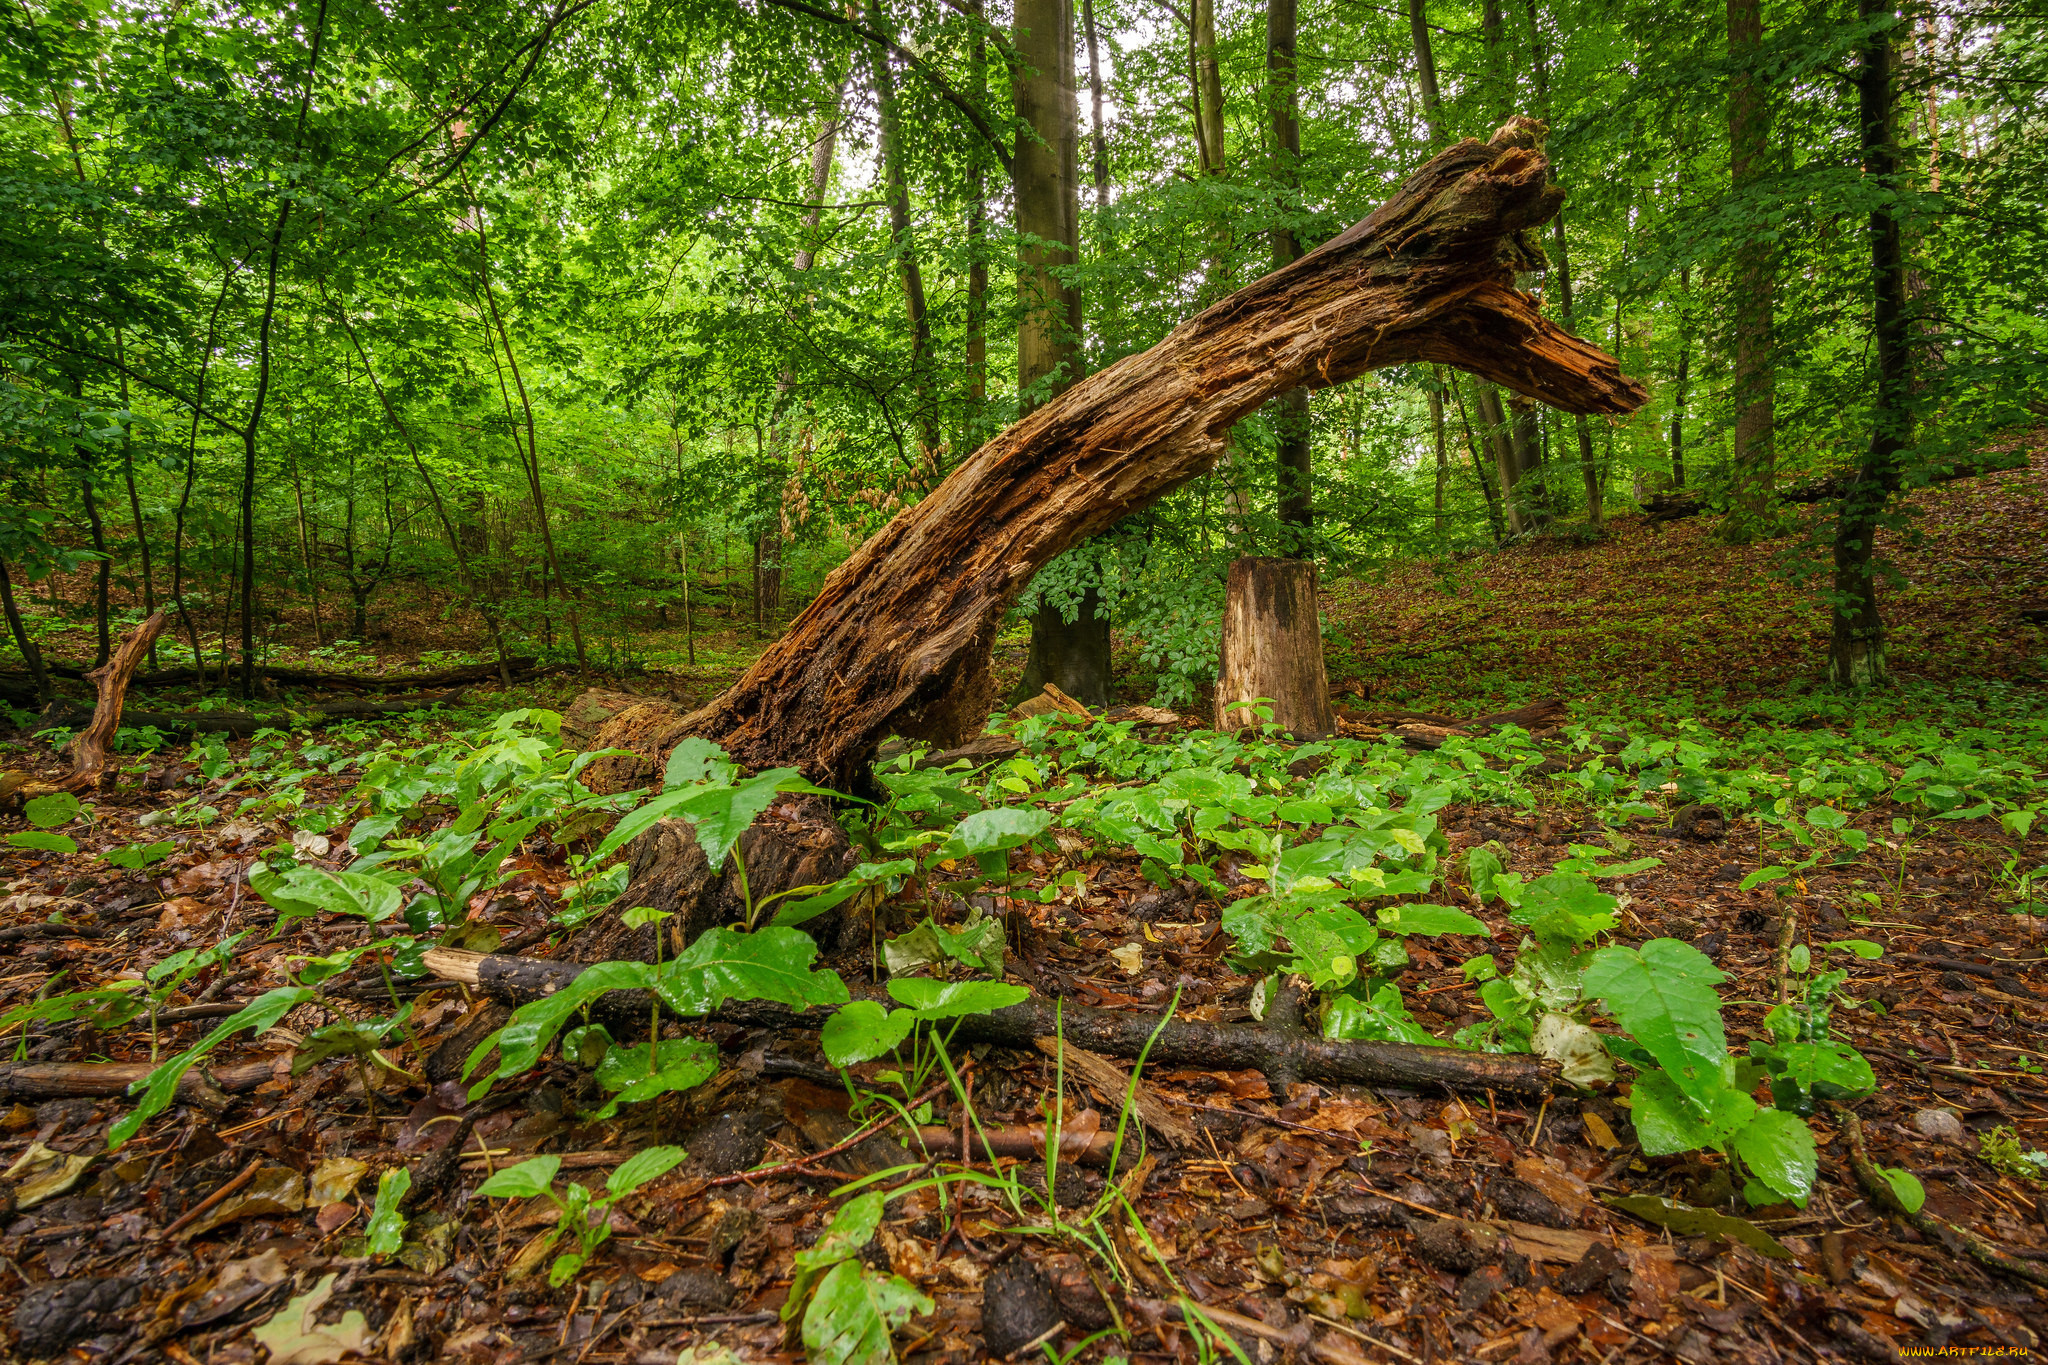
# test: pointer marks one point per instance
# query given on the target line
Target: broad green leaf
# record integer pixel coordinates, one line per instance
(864, 1030)
(1581, 1057)
(1862, 947)
(43, 841)
(853, 1313)
(1762, 875)
(1430, 920)
(1839, 1070)
(1668, 1122)
(135, 857)
(1687, 1221)
(159, 1087)
(336, 893)
(852, 1228)
(992, 831)
(1911, 1194)
(1305, 812)
(723, 964)
(51, 809)
(1663, 997)
(535, 1175)
(1383, 1016)
(387, 1221)
(1561, 907)
(692, 760)
(680, 1064)
(534, 1025)
(1826, 817)
(951, 999)
(1482, 865)
(1778, 1149)
(649, 1163)
(721, 815)
(978, 944)
(794, 912)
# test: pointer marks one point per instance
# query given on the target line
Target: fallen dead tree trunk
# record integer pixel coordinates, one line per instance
(898, 638)
(318, 678)
(208, 1089)
(95, 739)
(1676, 505)
(1228, 1047)
(242, 724)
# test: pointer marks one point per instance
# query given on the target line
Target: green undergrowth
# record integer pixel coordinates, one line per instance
(1323, 861)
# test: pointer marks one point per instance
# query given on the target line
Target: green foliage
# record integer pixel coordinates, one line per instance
(386, 1232)
(848, 1309)
(585, 1216)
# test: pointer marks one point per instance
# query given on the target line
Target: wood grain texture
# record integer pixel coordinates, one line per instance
(898, 638)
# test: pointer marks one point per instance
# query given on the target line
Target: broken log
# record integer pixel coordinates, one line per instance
(1273, 649)
(92, 744)
(242, 724)
(1226, 1047)
(898, 638)
(207, 1089)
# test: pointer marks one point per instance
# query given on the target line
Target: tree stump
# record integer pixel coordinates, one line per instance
(1273, 648)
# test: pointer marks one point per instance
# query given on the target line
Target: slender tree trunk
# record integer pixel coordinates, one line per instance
(896, 189)
(977, 248)
(102, 579)
(1755, 276)
(306, 553)
(1486, 398)
(1209, 87)
(1856, 652)
(1098, 137)
(1443, 465)
(531, 455)
(689, 617)
(1679, 380)
(30, 655)
(192, 474)
(1425, 71)
(135, 516)
(1493, 511)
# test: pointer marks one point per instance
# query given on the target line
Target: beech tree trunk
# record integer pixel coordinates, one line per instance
(1755, 276)
(897, 640)
(1273, 649)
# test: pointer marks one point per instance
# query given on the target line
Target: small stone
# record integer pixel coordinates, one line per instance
(1018, 1307)
(1457, 1246)
(726, 1144)
(1941, 1125)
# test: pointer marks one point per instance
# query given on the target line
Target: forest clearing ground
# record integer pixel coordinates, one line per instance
(1295, 1209)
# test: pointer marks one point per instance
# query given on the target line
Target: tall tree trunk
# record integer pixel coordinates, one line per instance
(102, 612)
(1443, 465)
(1425, 71)
(1753, 455)
(977, 247)
(1486, 398)
(1098, 137)
(1679, 380)
(896, 190)
(1295, 482)
(1208, 78)
(192, 475)
(1493, 508)
(1856, 649)
(31, 656)
(1049, 361)
(897, 639)
(530, 456)
(306, 553)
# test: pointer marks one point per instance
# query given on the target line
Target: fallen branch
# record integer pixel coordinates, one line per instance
(67, 1080)
(242, 724)
(90, 748)
(1885, 1197)
(344, 682)
(1226, 1047)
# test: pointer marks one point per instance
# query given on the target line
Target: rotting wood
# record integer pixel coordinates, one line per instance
(242, 724)
(90, 748)
(898, 638)
(206, 1089)
(1225, 1047)
(1113, 1085)
(1273, 649)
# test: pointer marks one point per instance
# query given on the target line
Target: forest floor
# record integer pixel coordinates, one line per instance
(1338, 1223)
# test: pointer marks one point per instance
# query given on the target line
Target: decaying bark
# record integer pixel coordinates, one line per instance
(1273, 648)
(89, 750)
(898, 638)
(516, 980)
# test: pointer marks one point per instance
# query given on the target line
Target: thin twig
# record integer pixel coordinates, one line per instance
(197, 1211)
(859, 1136)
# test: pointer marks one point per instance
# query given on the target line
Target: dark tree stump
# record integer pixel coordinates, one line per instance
(1273, 648)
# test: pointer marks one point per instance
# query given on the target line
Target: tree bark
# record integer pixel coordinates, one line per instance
(1073, 656)
(1425, 70)
(1273, 649)
(90, 748)
(1294, 469)
(1856, 647)
(896, 189)
(1098, 139)
(30, 654)
(1754, 381)
(898, 637)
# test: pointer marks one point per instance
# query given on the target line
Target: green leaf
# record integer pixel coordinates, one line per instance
(1826, 817)
(159, 1086)
(534, 1025)
(721, 815)
(864, 1030)
(1430, 920)
(43, 841)
(1562, 907)
(1862, 947)
(1837, 1069)
(1663, 997)
(794, 912)
(649, 1163)
(307, 890)
(52, 809)
(993, 831)
(978, 944)
(851, 1228)
(691, 761)
(1687, 1221)
(1762, 875)
(853, 1313)
(1911, 1194)
(680, 1064)
(1778, 1149)
(387, 1222)
(135, 857)
(952, 999)
(773, 963)
(535, 1175)
(1482, 865)
(1382, 1016)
